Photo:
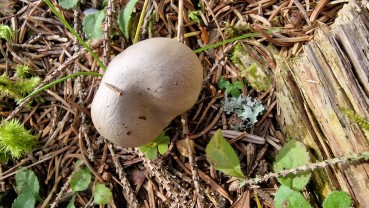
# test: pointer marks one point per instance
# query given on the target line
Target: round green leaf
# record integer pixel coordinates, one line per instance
(162, 148)
(92, 25)
(68, 4)
(102, 194)
(27, 182)
(337, 199)
(288, 198)
(26, 200)
(80, 179)
(292, 155)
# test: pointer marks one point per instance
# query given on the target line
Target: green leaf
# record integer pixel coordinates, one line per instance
(238, 85)
(292, 155)
(68, 4)
(102, 194)
(71, 202)
(125, 17)
(80, 179)
(163, 148)
(222, 83)
(221, 154)
(151, 153)
(27, 183)
(235, 92)
(159, 143)
(24, 200)
(337, 199)
(288, 198)
(161, 139)
(92, 25)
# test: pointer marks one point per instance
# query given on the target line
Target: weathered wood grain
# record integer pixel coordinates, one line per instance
(331, 73)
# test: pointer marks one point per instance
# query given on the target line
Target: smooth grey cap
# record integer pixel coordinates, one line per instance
(143, 89)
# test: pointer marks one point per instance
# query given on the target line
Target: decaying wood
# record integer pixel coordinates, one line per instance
(332, 73)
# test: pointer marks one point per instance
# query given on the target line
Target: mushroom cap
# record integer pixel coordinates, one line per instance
(143, 89)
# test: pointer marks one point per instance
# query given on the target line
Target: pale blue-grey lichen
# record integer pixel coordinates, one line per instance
(246, 108)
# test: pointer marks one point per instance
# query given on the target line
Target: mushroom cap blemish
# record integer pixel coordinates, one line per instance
(143, 89)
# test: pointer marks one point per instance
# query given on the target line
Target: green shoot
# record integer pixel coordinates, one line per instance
(75, 34)
(231, 40)
(142, 16)
(160, 144)
(6, 33)
(35, 92)
(223, 157)
(28, 188)
(15, 140)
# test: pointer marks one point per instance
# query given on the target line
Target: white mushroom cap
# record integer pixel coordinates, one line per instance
(143, 89)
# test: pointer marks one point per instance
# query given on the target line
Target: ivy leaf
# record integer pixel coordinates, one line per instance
(221, 154)
(125, 17)
(337, 199)
(288, 198)
(27, 183)
(24, 200)
(80, 179)
(222, 83)
(92, 25)
(68, 4)
(102, 194)
(292, 155)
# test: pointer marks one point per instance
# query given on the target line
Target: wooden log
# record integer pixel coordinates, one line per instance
(331, 73)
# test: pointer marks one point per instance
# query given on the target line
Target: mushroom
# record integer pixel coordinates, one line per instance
(143, 89)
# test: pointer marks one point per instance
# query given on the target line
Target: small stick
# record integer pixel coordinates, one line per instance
(128, 192)
(180, 22)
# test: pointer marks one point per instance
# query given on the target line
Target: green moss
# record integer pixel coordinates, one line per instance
(257, 75)
(18, 86)
(362, 122)
(15, 140)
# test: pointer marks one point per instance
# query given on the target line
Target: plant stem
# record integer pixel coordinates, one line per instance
(248, 35)
(57, 82)
(140, 21)
(70, 28)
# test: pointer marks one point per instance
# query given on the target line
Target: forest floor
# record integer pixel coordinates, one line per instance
(60, 115)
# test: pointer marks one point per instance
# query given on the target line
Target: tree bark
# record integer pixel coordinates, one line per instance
(332, 73)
